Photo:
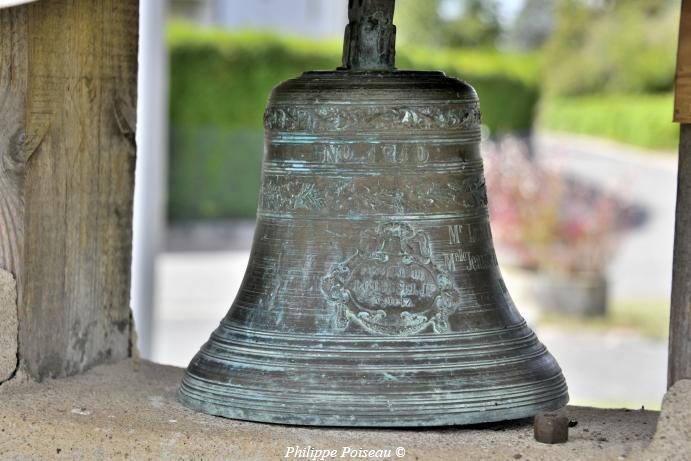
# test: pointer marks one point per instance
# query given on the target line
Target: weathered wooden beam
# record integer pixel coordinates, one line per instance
(13, 88)
(67, 97)
(679, 362)
(682, 90)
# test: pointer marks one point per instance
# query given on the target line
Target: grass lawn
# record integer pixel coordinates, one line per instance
(615, 404)
(642, 120)
(650, 318)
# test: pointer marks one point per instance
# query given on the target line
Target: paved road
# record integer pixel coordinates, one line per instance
(194, 288)
(642, 267)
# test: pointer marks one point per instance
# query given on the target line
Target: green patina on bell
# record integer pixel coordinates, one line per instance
(373, 295)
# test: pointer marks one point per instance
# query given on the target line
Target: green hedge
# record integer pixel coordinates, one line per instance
(218, 89)
(643, 120)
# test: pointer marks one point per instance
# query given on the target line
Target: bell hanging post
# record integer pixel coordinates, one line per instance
(372, 296)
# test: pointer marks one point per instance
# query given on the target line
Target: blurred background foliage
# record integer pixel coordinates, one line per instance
(594, 67)
(440, 23)
(623, 46)
(219, 83)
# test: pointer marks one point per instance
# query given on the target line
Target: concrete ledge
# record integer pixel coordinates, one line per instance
(673, 435)
(130, 410)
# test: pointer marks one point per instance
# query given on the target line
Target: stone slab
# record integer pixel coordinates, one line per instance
(672, 439)
(8, 325)
(130, 410)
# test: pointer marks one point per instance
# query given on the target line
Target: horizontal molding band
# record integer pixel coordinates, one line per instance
(286, 365)
(390, 135)
(367, 341)
(460, 400)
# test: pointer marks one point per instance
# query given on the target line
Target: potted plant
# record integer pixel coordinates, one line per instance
(555, 234)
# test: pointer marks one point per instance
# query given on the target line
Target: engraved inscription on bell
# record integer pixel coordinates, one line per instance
(390, 284)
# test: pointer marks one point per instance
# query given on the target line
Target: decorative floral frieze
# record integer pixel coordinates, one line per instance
(349, 196)
(372, 117)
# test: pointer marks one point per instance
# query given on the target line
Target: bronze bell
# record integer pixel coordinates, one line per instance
(372, 295)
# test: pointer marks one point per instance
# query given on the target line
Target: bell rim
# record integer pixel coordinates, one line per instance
(453, 387)
(445, 417)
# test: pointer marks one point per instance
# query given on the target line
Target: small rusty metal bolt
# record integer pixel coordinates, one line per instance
(551, 428)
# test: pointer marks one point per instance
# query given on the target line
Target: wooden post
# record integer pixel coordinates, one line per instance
(679, 365)
(67, 118)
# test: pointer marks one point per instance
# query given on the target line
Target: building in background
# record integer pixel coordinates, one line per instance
(311, 18)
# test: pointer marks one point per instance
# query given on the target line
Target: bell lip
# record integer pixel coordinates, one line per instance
(513, 389)
(400, 421)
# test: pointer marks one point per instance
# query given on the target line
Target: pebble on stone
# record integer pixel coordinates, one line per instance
(551, 428)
